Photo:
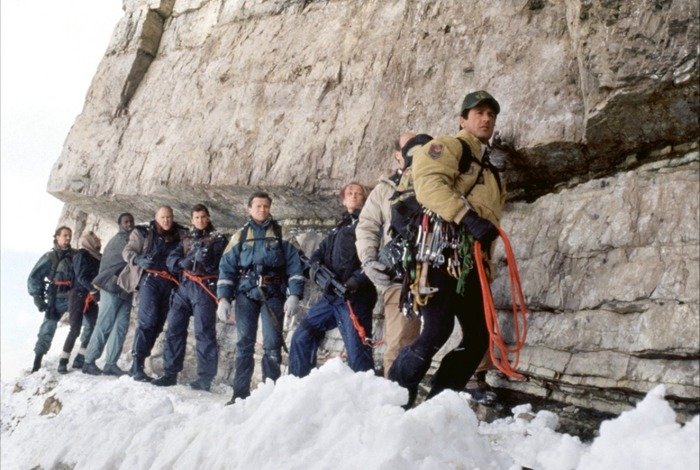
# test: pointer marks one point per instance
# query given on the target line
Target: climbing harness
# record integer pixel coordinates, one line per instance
(519, 318)
(200, 280)
(163, 274)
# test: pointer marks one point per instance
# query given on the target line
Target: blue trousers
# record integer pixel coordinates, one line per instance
(248, 311)
(326, 314)
(438, 316)
(47, 330)
(190, 299)
(110, 329)
(154, 303)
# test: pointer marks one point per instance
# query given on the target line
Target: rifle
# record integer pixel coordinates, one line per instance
(325, 278)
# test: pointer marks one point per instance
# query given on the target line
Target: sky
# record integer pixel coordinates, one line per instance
(49, 53)
(332, 419)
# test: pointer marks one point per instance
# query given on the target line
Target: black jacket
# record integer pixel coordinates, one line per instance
(85, 268)
(338, 253)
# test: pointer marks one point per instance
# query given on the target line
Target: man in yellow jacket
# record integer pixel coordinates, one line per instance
(454, 179)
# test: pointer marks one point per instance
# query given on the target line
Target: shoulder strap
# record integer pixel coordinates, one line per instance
(276, 227)
(465, 163)
(55, 260)
(244, 235)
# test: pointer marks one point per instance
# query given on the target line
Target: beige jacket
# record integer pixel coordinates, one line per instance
(375, 219)
(440, 186)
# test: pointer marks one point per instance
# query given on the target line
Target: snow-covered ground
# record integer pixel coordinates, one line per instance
(332, 419)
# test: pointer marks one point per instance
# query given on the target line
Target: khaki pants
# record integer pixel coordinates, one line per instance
(399, 331)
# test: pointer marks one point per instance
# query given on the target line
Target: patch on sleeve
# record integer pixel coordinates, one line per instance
(435, 151)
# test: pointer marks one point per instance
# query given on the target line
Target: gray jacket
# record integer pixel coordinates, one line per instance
(112, 264)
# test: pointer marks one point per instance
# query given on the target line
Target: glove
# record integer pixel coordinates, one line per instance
(40, 304)
(200, 255)
(144, 261)
(377, 273)
(352, 285)
(225, 310)
(291, 305)
(95, 295)
(482, 229)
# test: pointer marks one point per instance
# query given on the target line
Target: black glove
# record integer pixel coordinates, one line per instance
(480, 228)
(144, 261)
(200, 255)
(352, 285)
(95, 295)
(40, 304)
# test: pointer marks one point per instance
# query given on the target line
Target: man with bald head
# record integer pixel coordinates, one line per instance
(372, 234)
(146, 253)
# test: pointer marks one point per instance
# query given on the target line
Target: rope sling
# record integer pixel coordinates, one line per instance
(496, 340)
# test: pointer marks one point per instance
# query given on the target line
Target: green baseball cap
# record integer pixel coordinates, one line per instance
(474, 98)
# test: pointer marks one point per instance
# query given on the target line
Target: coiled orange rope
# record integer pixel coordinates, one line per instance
(519, 318)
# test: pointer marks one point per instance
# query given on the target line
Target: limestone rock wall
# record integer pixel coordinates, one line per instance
(208, 100)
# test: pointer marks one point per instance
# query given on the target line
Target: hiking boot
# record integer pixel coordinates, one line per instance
(168, 380)
(63, 366)
(412, 395)
(78, 361)
(483, 397)
(113, 369)
(201, 384)
(137, 373)
(91, 369)
(481, 383)
(236, 397)
(37, 362)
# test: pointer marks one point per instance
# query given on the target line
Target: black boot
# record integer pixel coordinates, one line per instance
(91, 369)
(136, 372)
(78, 361)
(168, 380)
(201, 384)
(63, 366)
(37, 362)
(236, 397)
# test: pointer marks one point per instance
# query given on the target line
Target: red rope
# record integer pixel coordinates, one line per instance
(199, 279)
(164, 274)
(360, 329)
(89, 298)
(495, 338)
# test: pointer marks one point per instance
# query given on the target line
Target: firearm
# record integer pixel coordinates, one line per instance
(51, 292)
(324, 278)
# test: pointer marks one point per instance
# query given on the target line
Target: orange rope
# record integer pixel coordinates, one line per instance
(495, 337)
(360, 329)
(164, 274)
(199, 279)
(89, 298)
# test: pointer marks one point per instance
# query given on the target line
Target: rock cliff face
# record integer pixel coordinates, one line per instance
(205, 101)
